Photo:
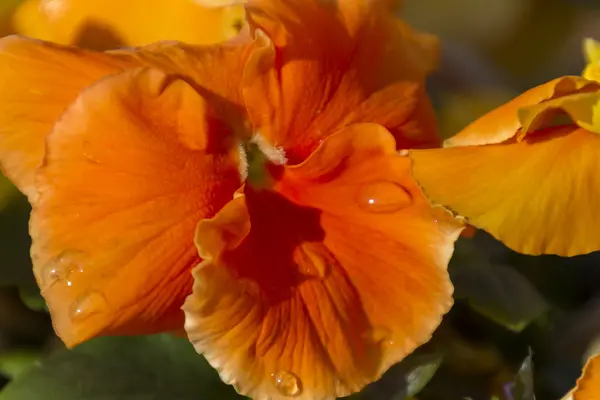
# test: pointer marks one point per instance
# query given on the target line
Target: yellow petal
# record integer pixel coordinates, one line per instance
(104, 24)
(591, 49)
(582, 108)
(538, 196)
(503, 122)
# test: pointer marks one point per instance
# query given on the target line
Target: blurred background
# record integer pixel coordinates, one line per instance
(521, 327)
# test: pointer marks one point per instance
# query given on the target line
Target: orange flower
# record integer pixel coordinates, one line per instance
(104, 24)
(527, 172)
(272, 157)
(588, 385)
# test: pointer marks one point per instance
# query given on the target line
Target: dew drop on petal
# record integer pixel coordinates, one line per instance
(382, 336)
(60, 268)
(287, 383)
(50, 275)
(383, 197)
(88, 304)
(71, 274)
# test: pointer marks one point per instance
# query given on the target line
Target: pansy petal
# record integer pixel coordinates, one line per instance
(106, 24)
(591, 49)
(39, 80)
(326, 64)
(215, 71)
(312, 291)
(588, 385)
(503, 122)
(538, 196)
(132, 166)
(582, 108)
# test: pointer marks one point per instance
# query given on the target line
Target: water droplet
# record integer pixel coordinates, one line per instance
(53, 8)
(287, 383)
(90, 158)
(383, 197)
(60, 268)
(382, 335)
(88, 304)
(50, 275)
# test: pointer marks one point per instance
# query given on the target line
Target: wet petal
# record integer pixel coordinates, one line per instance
(503, 122)
(588, 385)
(131, 167)
(328, 64)
(314, 290)
(538, 196)
(39, 80)
(106, 24)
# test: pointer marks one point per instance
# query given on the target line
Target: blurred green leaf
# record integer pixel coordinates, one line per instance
(142, 368)
(403, 380)
(33, 299)
(424, 368)
(496, 291)
(15, 362)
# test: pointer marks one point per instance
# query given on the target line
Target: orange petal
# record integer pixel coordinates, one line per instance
(538, 196)
(105, 24)
(329, 64)
(314, 290)
(503, 122)
(588, 385)
(131, 167)
(216, 71)
(39, 80)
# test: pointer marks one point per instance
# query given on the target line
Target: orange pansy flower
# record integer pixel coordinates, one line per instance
(273, 157)
(527, 172)
(104, 24)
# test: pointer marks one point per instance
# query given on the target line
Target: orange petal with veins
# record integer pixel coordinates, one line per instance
(313, 289)
(42, 79)
(324, 65)
(39, 80)
(132, 166)
(215, 71)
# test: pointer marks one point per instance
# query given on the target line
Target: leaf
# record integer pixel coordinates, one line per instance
(496, 291)
(15, 362)
(403, 380)
(142, 368)
(425, 367)
(523, 389)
